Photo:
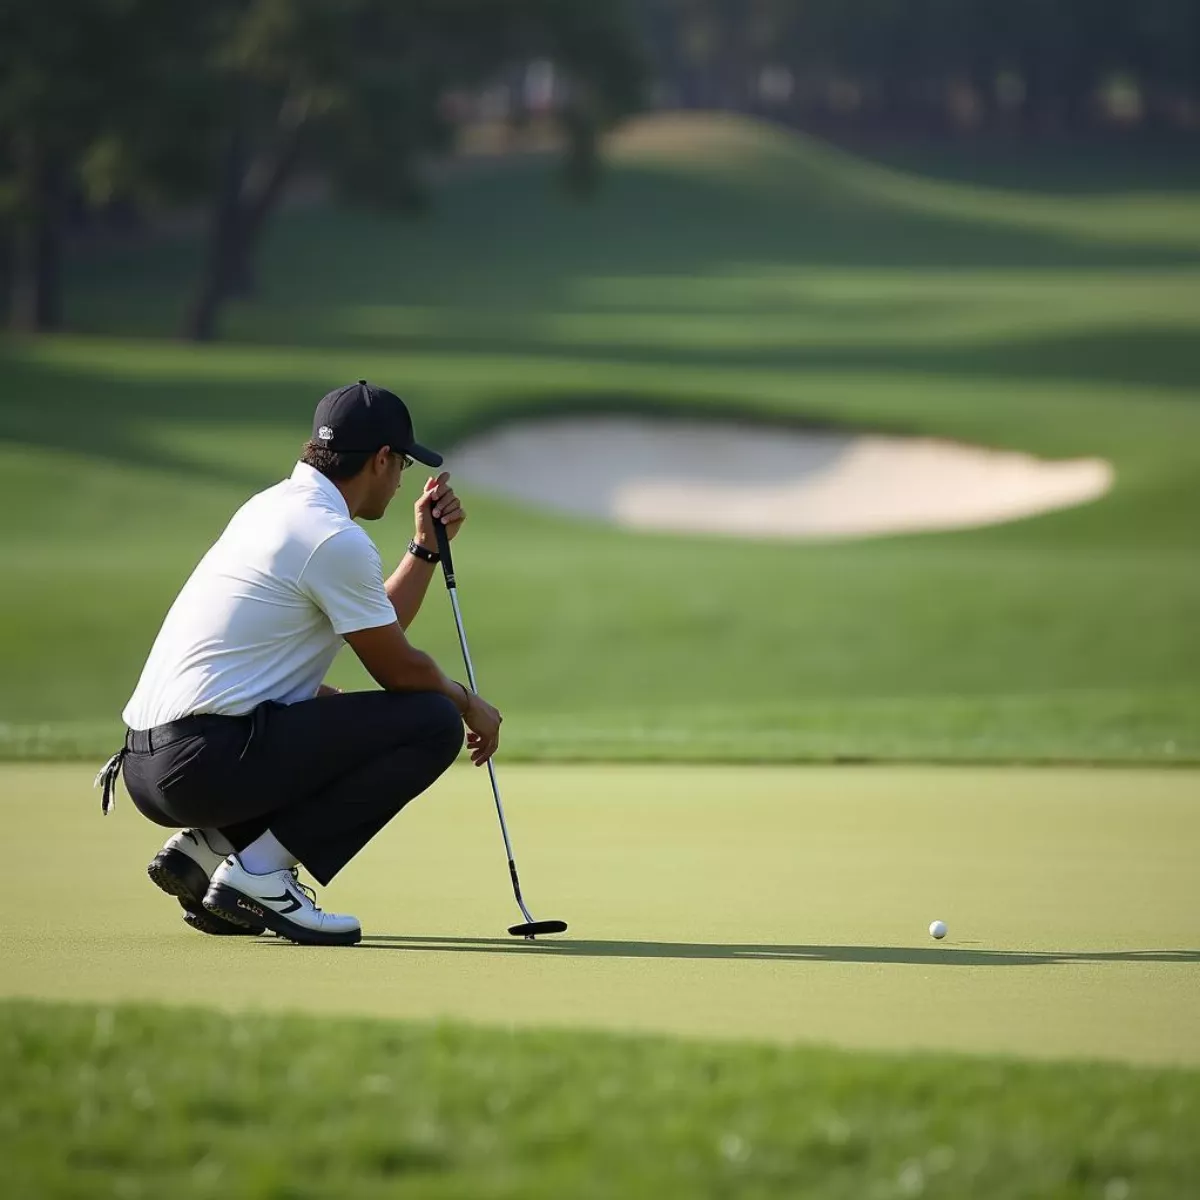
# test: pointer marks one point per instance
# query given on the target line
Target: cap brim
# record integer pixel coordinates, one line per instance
(431, 458)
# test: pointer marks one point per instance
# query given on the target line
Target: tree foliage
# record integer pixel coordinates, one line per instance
(1042, 65)
(226, 101)
(222, 103)
(72, 75)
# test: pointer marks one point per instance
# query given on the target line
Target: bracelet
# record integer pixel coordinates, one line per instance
(419, 551)
(467, 693)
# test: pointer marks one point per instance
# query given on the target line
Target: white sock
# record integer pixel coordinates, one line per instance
(266, 854)
(218, 843)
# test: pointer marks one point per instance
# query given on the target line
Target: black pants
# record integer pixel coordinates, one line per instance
(325, 775)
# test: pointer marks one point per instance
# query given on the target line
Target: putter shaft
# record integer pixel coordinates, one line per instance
(452, 587)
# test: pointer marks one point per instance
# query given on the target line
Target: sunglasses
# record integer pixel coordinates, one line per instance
(406, 460)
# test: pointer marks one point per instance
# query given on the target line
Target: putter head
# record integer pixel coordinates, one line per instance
(532, 928)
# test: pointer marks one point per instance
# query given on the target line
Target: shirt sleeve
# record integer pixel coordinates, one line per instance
(344, 579)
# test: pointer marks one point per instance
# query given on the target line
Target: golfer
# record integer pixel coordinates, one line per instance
(234, 740)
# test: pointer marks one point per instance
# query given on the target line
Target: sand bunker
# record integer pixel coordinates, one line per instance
(710, 477)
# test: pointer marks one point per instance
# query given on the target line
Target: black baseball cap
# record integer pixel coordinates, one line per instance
(362, 418)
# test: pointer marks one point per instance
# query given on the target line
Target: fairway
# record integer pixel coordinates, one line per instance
(726, 268)
(776, 903)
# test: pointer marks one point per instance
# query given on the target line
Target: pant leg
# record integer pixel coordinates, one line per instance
(326, 775)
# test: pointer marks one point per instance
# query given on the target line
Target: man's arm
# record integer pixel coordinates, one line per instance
(344, 578)
(409, 582)
(398, 666)
(406, 587)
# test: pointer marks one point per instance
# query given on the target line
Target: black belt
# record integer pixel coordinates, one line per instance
(147, 741)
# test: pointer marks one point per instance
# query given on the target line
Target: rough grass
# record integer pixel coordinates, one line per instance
(725, 268)
(143, 1102)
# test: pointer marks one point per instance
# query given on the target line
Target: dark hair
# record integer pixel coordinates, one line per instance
(333, 465)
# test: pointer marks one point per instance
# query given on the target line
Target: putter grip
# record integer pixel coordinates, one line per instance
(443, 544)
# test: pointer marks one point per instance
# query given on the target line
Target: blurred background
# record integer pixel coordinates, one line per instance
(966, 221)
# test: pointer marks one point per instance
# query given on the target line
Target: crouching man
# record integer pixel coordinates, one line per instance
(232, 737)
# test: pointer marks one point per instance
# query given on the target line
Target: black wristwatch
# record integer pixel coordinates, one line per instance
(419, 551)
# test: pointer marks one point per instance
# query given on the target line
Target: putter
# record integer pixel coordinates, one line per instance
(530, 928)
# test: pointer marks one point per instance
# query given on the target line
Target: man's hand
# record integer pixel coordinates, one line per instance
(483, 721)
(437, 502)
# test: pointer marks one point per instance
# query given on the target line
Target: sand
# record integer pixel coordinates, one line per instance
(722, 478)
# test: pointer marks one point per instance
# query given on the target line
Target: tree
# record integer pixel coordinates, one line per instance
(70, 72)
(932, 63)
(354, 87)
(224, 101)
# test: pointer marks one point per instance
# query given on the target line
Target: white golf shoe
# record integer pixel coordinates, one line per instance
(183, 868)
(279, 901)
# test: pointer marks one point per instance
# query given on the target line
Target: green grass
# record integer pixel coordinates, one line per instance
(785, 904)
(731, 269)
(139, 1102)
(726, 268)
(1076, 167)
(774, 915)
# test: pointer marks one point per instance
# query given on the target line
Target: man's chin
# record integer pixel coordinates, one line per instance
(374, 512)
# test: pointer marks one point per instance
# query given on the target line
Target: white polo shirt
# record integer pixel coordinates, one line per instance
(262, 616)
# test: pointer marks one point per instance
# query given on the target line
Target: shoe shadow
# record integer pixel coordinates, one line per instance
(923, 956)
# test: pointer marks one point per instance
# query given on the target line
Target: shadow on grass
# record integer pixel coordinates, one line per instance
(1163, 357)
(923, 956)
(188, 426)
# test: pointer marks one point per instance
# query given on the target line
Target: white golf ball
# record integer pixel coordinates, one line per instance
(938, 930)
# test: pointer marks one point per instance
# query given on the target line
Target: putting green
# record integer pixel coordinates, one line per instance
(776, 903)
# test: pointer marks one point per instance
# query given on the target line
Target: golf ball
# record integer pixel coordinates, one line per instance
(938, 930)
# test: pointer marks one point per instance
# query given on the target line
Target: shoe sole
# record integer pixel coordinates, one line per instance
(201, 919)
(175, 873)
(235, 906)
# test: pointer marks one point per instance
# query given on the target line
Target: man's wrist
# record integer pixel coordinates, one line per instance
(423, 553)
(466, 697)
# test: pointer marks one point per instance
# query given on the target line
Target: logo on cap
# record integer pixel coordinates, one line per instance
(324, 433)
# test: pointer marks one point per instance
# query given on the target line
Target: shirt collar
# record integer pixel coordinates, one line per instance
(312, 479)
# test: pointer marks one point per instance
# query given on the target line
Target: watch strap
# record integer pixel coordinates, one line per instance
(419, 551)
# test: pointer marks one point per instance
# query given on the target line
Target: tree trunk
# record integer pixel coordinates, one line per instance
(242, 283)
(6, 277)
(235, 230)
(261, 204)
(36, 259)
(224, 239)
